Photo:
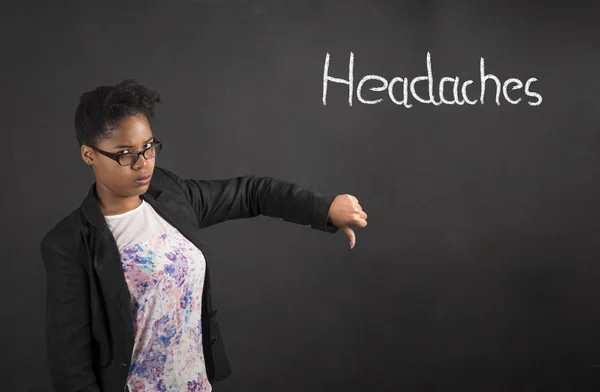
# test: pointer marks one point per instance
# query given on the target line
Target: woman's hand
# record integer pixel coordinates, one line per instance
(345, 211)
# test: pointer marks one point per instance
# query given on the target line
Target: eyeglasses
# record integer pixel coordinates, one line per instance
(130, 158)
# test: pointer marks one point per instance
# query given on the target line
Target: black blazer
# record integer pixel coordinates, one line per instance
(89, 324)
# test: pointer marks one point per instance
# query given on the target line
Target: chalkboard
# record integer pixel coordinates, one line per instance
(468, 131)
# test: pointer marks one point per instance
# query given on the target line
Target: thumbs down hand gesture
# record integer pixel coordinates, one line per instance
(345, 212)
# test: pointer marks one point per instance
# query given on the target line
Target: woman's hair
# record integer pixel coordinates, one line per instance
(99, 111)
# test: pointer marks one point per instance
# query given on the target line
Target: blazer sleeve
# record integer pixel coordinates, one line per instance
(215, 201)
(68, 333)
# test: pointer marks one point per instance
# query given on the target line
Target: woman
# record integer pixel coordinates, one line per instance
(128, 288)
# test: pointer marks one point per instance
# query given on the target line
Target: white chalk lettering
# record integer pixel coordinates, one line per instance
(365, 79)
(502, 88)
(464, 93)
(455, 92)
(518, 83)
(530, 93)
(349, 82)
(429, 79)
(444, 100)
(405, 91)
(485, 78)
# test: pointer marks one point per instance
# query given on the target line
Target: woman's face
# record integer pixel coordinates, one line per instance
(132, 135)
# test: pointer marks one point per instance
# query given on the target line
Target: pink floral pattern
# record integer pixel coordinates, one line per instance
(165, 276)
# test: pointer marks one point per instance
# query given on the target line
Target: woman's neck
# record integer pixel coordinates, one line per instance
(112, 204)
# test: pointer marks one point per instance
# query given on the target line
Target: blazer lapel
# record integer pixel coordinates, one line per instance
(175, 209)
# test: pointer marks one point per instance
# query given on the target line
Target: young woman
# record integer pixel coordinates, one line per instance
(128, 287)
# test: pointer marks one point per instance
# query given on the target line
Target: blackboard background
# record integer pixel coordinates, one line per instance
(479, 268)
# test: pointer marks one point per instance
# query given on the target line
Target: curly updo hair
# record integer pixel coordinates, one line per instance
(100, 110)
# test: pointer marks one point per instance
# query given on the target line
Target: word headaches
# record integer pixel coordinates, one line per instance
(399, 87)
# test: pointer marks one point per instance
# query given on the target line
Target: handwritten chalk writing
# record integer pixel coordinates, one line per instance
(349, 82)
(382, 88)
(486, 80)
(391, 92)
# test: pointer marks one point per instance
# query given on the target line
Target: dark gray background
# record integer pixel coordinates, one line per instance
(479, 268)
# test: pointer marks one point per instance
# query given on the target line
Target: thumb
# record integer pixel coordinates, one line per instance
(350, 234)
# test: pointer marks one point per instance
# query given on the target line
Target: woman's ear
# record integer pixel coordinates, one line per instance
(87, 155)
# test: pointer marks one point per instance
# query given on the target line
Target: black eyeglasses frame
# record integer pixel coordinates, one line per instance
(116, 157)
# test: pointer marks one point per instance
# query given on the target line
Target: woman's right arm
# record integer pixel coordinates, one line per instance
(68, 332)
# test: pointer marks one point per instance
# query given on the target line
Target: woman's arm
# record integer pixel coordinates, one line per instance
(68, 333)
(248, 196)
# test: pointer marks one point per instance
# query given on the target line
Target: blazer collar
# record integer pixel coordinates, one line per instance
(93, 213)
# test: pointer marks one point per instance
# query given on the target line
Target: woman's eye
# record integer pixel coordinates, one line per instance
(146, 146)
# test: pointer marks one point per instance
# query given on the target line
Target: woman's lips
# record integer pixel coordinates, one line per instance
(144, 180)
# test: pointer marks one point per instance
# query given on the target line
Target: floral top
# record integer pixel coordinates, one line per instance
(165, 275)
